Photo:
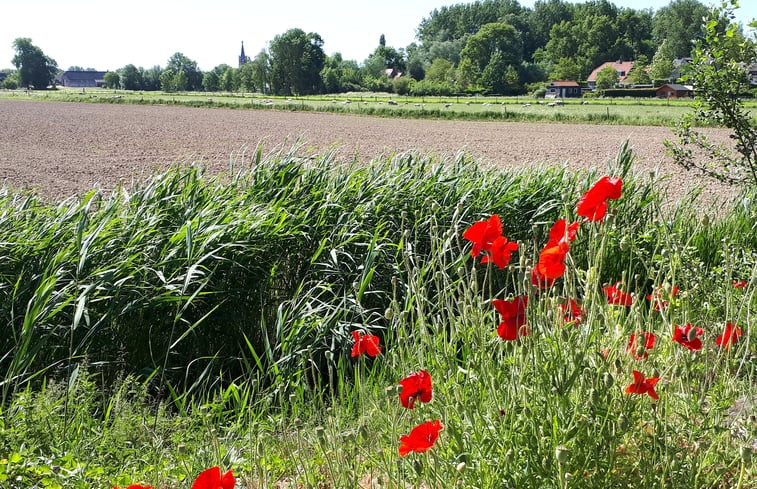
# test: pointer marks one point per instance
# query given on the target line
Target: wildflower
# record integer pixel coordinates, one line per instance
(729, 336)
(616, 296)
(212, 479)
(421, 438)
(551, 264)
(561, 231)
(593, 204)
(368, 344)
(572, 311)
(657, 297)
(643, 385)
(415, 386)
(638, 347)
(513, 317)
(740, 284)
(688, 336)
(500, 252)
(483, 234)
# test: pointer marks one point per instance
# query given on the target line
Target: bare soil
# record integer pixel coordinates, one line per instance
(62, 149)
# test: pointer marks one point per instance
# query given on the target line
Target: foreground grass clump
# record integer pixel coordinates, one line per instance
(201, 321)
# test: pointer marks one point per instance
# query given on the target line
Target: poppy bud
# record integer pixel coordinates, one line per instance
(418, 466)
(460, 467)
(389, 313)
(625, 245)
(561, 454)
(182, 449)
(706, 220)
(745, 452)
(329, 355)
(608, 379)
(320, 433)
(622, 422)
(363, 431)
(390, 390)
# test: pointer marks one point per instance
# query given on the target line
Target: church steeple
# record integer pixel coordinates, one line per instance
(242, 58)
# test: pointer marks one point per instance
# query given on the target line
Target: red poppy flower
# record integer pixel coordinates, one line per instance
(551, 264)
(539, 280)
(642, 385)
(513, 317)
(500, 252)
(740, 284)
(483, 234)
(572, 311)
(421, 438)
(212, 479)
(368, 344)
(562, 232)
(415, 386)
(593, 204)
(616, 296)
(638, 344)
(729, 336)
(657, 297)
(688, 336)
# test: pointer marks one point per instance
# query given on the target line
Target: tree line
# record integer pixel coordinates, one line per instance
(487, 47)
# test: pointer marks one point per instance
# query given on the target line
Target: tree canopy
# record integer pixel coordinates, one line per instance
(296, 60)
(486, 46)
(34, 67)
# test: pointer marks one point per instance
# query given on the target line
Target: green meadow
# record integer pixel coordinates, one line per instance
(195, 321)
(624, 111)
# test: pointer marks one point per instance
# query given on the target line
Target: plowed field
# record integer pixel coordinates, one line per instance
(60, 149)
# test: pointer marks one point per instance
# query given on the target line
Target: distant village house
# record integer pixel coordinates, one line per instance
(675, 90)
(563, 89)
(623, 68)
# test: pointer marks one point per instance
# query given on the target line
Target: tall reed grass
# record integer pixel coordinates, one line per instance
(229, 301)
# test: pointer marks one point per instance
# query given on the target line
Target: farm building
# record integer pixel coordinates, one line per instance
(675, 90)
(83, 79)
(563, 89)
(623, 68)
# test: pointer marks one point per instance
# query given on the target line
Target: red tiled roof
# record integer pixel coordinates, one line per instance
(562, 83)
(624, 66)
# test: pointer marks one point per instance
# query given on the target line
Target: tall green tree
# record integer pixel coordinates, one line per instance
(607, 78)
(261, 71)
(297, 59)
(545, 14)
(112, 80)
(717, 72)
(151, 78)
(661, 67)
(168, 81)
(680, 23)
(488, 53)
(131, 78)
(180, 63)
(34, 67)
(639, 74)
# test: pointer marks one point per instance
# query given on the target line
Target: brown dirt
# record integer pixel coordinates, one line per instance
(60, 149)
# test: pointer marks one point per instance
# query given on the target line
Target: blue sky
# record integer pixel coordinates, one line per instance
(107, 35)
